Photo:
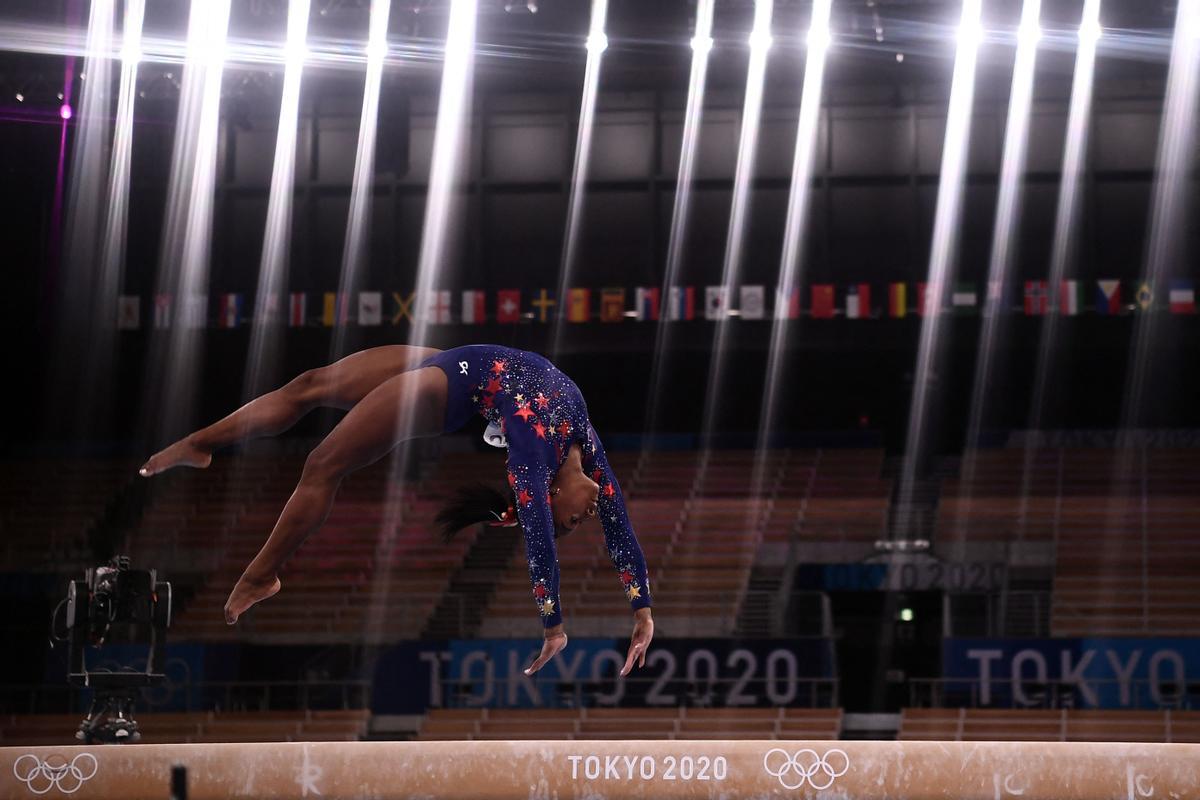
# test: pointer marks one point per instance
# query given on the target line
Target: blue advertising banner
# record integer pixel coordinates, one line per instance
(920, 573)
(414, 676)
(1101, 673)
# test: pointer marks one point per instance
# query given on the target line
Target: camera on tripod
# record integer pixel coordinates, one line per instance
(112, 600)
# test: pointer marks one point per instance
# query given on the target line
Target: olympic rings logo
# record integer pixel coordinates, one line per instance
(816, 770)
(42, 776)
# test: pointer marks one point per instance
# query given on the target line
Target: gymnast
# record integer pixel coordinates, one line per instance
(558, 474)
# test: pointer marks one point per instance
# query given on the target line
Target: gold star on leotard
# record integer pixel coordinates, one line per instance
(632, 592)
(547, 608)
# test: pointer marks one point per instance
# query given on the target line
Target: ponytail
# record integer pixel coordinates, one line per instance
(472, 505)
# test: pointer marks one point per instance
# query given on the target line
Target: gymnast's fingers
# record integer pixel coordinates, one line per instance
(635, 649)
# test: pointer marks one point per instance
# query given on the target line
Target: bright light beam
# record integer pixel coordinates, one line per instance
(101, 362)
(597, 43)
(186, 244)
(760, 45)
(448, 158)
(321, 51)
(795, 234)
(84, 306)
(1004, 238)
(943, 252)
(358, 217)
(680, 212)
(1169, 224)
(1168, 227)
(261, 365)
(1066, 235)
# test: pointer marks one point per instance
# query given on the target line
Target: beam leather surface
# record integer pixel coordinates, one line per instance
(608, 770)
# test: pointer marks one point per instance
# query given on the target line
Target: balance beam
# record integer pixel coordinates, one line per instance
(604, 770)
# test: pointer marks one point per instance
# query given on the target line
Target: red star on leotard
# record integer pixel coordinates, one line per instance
(524, 413)
(488, 402)
(564, 428)
(540, 592)
(499, 366)
(626, 577)
(512, 480)
(540, 430)
(609, 491)
(524, 497)
(598, 475)
(493, 386)
(542, 401)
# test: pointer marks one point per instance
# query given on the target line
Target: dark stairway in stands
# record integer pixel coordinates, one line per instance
(460, 611)
(756, 617)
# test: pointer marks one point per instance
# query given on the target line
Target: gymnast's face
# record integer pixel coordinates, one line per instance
(573, 499)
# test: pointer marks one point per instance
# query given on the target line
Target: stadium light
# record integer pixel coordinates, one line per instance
(970, 33)
(1029, 34)
(1090, 31)
(760, 35)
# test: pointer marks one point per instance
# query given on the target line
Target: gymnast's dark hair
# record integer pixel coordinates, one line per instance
(471, 505)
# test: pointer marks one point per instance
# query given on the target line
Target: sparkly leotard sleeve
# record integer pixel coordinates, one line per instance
(542, 414)
(623, 548)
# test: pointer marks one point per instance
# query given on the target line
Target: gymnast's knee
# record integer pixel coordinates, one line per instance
(323, 466)
(303, 386)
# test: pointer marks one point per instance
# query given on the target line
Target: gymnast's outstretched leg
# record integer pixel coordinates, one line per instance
(339, 385)
(407, 406)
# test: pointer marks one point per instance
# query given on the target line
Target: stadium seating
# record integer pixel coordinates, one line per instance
(1120, 525)
(376, 570)
(48, 506)
(703, 526)
(1063, 725)
(633, 723)
(162, 728)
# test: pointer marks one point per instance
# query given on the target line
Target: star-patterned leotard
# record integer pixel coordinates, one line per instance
(542, 414)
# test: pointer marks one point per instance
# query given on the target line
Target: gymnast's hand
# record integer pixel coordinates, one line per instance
(248, 591)
(556, 640)
(639, 643)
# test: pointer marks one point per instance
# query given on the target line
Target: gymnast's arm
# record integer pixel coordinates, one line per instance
(624, 551)
(530, 475)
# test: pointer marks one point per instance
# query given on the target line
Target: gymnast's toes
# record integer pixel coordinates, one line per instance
(246, 593)
(180, 454)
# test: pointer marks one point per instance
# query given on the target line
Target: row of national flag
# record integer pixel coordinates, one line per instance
(645, 303)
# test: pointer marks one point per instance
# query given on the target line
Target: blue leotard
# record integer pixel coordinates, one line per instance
(542, 414)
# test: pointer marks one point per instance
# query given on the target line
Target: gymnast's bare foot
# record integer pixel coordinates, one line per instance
(246, 593)
(181, 454)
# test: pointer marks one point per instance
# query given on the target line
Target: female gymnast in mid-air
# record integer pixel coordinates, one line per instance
(557, 470)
